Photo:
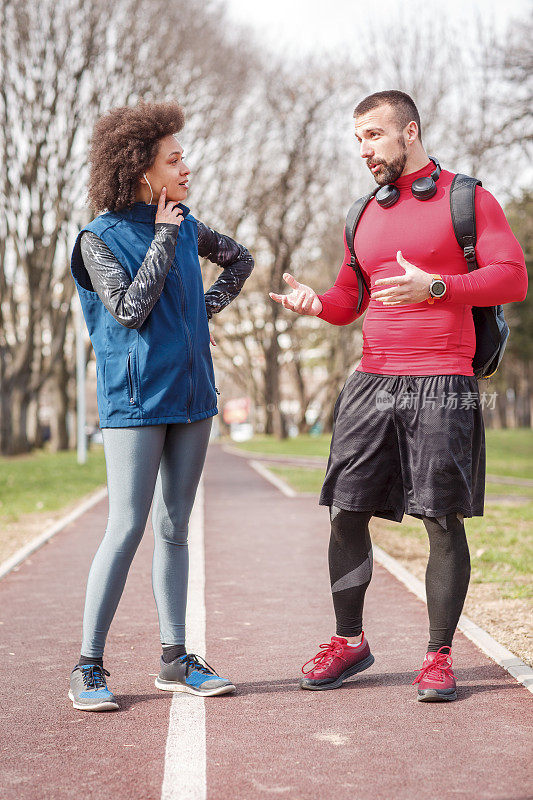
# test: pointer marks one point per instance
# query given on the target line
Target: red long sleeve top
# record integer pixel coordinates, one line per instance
(419, 338)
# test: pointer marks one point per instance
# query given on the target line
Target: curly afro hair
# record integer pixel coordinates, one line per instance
(124, 145)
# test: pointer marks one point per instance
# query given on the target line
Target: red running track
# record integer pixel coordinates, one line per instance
(268, 607)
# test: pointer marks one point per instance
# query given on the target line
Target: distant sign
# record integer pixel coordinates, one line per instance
(236, 411)
(241, 431)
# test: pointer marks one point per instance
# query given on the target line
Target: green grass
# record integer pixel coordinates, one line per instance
(509, 452)
(508, 489)
(299, 446)
(306, 479)
(301, 479)
(501, 547)
(43, 481)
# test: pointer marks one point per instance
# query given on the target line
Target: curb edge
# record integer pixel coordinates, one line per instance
(24, 552)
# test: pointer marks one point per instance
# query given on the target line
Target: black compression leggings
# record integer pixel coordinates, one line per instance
(447, 574)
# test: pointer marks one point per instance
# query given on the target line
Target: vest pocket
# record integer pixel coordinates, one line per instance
(129, 373)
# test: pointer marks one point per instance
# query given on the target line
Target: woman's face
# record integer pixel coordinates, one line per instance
(168, 170)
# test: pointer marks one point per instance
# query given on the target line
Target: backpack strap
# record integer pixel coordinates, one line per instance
(462, 207)
(488, 320)
(352, 220)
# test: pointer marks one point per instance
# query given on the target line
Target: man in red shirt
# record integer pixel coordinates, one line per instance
(408, 434)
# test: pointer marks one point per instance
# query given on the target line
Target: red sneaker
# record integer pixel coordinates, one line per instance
(335, 662)
(436, 681)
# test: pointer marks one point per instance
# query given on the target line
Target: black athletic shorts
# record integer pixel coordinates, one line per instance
(407, 444)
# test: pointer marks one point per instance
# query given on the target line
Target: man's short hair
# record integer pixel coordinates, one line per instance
(403, 106)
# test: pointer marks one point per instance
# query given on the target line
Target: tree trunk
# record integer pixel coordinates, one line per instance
(501, 409)
(274, 423)
(58, 420)
(522, 395)
(14, 429)
(303, 427)
(35, 432)
(5, 422)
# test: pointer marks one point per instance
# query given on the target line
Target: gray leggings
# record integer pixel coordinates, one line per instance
(163, 462)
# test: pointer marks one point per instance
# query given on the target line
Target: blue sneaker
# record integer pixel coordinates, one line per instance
(88, 689)
(188, 674)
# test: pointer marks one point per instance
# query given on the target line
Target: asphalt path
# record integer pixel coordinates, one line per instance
(268, 608)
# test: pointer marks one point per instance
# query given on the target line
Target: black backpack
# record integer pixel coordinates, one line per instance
(491, 328)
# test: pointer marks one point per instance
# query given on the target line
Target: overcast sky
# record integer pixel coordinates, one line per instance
(314, 24)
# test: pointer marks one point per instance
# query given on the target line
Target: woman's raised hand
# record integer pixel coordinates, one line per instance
(302, 299)
(169, 212)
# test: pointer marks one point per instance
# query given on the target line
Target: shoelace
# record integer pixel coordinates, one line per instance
(437, 669)
(93, 676)
(192, 662)
(325, 656)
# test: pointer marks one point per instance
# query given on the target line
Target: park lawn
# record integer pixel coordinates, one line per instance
(304, 480)
(509, 452)
(508, 489)
(46, 482)
(298, 446)
(501, 547)
(307, 480)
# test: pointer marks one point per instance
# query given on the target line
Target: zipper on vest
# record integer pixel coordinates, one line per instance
(130, 380)
(188, 338)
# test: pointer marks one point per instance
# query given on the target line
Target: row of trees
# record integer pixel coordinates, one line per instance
(296, 214)
(61, 65)
(270, 142)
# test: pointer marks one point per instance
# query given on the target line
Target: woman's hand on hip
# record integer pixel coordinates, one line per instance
(169, 212)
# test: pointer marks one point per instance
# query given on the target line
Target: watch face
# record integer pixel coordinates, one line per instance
(438, 288)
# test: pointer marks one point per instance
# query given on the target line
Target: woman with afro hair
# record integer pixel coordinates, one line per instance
(138, 277)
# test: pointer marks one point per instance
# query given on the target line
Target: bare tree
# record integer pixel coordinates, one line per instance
(58, 70)
(274, 164)
(45, 92)
(286, 204)
(473, 91)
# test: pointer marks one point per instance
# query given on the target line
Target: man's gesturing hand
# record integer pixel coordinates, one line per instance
(302, 299)
(412, 287)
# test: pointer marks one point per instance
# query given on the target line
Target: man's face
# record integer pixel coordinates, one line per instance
(169, 170)
(382, 144)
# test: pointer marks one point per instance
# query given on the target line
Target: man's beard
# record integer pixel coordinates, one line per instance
(392, 169)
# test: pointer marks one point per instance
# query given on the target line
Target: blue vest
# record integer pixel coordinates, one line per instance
(161, 372)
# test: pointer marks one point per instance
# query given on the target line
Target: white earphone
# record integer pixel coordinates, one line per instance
(150, 185)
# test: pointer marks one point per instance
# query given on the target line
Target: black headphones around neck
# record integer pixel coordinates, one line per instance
(422, 188)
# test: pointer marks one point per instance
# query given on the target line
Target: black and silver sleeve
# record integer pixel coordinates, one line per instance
(130, 302)
(235, 260)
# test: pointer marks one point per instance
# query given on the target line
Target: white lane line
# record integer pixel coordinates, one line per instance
(22, 554)
(497, 652)
(274, 479)
(185, 755)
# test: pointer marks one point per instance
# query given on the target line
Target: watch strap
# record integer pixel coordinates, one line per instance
(432, 299)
